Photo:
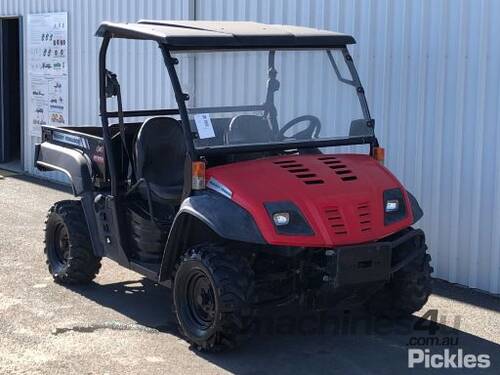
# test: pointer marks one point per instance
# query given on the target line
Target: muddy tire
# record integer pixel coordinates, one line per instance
(68, 249)
(213, 290)
(407, 292)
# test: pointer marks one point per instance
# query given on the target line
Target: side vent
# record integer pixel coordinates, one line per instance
(365, 217)
(300, 171)
(335, 221)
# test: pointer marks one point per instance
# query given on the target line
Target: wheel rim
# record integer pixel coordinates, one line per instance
(201, 301)
(61, 243)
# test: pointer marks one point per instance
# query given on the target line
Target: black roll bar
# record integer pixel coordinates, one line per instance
(104, 119)
(180, 97)
(170, 63)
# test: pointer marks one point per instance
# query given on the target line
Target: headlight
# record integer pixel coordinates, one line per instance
(394, 206)
(281, 218)
(288, 219)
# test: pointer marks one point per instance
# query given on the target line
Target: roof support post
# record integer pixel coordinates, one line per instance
(361, 96)
(273, 85)
(180, 97)
(104, 116)
(357, 83)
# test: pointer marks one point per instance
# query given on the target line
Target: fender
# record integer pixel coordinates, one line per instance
(202, 216)
(415, 208)
(70, 161)
(76, 166)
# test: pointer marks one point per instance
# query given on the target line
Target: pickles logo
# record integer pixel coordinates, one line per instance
(448, 359)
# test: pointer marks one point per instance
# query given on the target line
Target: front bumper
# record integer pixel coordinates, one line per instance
(373, 262)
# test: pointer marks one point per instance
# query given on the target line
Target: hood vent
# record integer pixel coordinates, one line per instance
(279, 162)
(335, 220)
(300, 171)
(338, 167)
(365, 217)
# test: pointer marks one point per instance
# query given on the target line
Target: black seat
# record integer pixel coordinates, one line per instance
(248, 129)
(160, 153)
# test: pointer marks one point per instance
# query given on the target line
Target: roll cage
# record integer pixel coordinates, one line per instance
(223, 36)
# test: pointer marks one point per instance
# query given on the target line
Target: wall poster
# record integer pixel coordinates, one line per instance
(47, 70)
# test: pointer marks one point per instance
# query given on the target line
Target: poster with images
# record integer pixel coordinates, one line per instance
(47, 70)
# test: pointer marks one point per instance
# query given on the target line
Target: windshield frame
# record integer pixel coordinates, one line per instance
(190, 136)
(270, 110)
(109, 87)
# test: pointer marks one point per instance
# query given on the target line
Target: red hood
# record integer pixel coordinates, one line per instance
(340, 195)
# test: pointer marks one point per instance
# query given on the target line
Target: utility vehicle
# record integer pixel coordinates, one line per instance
(265, 186)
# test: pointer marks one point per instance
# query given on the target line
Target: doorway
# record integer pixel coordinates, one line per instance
(10, 94)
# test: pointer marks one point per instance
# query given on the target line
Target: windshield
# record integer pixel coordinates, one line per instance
(259, 97)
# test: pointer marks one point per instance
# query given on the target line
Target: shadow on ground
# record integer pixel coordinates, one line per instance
(344, 341)
(38, 181)
(466, 295)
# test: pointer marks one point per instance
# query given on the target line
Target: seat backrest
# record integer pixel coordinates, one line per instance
(220, 126)
(160, 152)
(248, 129)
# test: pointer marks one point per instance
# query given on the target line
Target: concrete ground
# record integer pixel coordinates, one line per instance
(122, 323)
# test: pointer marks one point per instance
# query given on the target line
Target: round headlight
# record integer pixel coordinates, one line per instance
(281, 218)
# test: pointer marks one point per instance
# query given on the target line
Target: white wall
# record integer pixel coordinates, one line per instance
(430, 70)
(141, 83)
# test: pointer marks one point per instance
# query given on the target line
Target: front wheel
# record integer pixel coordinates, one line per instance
(213, 291)
(68, 248)
(407, 292)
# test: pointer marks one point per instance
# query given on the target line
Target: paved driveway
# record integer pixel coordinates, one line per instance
(122, 323)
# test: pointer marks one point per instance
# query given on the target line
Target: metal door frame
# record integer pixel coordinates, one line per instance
(21, 85)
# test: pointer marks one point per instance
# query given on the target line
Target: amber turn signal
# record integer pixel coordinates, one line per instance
(379, 154)
(198, 175)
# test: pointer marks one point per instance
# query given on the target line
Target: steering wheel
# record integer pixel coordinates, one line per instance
(312, 130)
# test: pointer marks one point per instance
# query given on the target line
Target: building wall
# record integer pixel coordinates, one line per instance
(430, 70)
(140, 82)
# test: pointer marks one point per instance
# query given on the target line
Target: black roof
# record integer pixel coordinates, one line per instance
(200, 35)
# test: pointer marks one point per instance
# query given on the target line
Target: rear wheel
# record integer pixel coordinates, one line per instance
(407, 292)
(68, 248)
(213, 291)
